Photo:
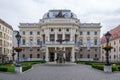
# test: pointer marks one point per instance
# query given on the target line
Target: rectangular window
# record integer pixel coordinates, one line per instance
(95, 49)
(23, 32)
(95, 55)
(0, 50)
(95, 41)
(52, 30)
(59, 29)
(23, 41)
(81, 42)
(31, 33)
(88, 56)
(38, 41)
(23, 55)
(114, 42)
(0, 26)
(38, 55)
(81, 50)
(95, 33)
(30, 55)
(31, 39)
(38, 33)
(81, 33)
(88, 33)
(81, 56)
(67, 30)
(114, 49)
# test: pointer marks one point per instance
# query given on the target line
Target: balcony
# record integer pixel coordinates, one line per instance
(56, 43)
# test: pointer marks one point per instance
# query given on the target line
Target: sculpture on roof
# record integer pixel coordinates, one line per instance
(59, 15)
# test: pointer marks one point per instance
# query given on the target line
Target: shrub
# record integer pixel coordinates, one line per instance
(100, 67)
(114, 68)
(88, 63)
(24, 68)
(3, 69)
(119, 68)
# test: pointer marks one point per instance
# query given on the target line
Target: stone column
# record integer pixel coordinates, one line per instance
(71, 36)
(64, 53)
(73, 55)
(48, 37)
(63, 35)
(46, 55)
(55, 35)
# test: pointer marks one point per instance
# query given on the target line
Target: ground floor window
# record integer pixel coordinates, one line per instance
(38, 55)
(88, 56)
(30, 55)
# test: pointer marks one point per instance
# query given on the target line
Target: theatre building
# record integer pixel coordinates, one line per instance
(59, 25)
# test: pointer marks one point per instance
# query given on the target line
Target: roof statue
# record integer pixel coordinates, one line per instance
(59, 15)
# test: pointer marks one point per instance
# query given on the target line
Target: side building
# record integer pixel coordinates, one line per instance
(5, 39)
(114, 54)
(60, 25)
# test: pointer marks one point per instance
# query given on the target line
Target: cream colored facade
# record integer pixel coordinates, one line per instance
(114, 54)
(64, 25)
(5, 38)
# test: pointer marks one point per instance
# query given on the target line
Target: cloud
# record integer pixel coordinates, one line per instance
(105, 12)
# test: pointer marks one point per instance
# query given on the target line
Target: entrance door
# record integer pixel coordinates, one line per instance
(68, 57)
(52, 57)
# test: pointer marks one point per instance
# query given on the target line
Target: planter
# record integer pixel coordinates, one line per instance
(17, 49)
(107, 48)
(13, 54)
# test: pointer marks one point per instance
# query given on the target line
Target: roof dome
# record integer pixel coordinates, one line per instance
(59, 14)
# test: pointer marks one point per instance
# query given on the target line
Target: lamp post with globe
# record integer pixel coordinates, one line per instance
(107, 48)
(18, 37)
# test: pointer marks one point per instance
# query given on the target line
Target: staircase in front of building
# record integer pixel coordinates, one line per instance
(60, 64)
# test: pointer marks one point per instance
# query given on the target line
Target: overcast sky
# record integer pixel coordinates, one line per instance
(106, 12)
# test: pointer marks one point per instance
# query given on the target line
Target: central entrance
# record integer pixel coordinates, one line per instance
(68, 54)
(52, 56)
(57, 54)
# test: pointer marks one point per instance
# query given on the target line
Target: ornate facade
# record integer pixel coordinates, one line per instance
(59, 25)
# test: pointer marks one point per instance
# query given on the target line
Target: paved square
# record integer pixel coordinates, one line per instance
(61, 72)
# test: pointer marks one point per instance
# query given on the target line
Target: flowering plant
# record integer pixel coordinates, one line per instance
(107, 47)
(18, 49)
(13, 54)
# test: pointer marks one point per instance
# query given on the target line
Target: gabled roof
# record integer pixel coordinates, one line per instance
(115, 33)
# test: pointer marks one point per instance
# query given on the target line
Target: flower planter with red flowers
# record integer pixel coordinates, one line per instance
(18, 49)
(107, 48)
(13, 54)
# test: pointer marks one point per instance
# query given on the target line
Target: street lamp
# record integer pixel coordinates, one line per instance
(107, 36)
(18, 37)
(107, 48)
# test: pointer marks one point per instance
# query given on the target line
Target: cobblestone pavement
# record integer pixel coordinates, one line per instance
(61, 72)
